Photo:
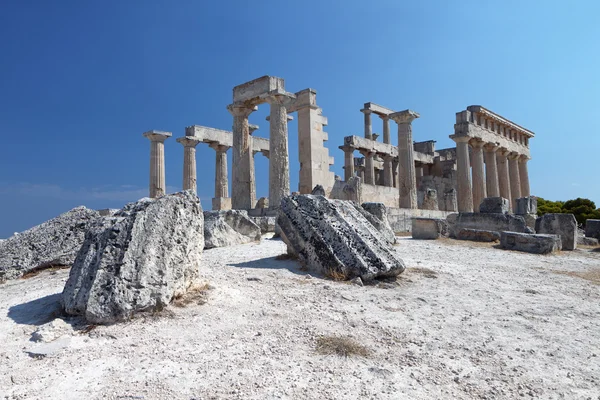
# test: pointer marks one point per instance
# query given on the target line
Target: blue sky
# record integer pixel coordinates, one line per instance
(81, 81)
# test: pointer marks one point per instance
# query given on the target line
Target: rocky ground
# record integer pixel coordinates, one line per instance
(464, 321)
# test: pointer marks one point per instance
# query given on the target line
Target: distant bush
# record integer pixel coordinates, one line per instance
(583, 209)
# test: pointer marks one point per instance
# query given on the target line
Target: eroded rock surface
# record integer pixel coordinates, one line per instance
(137, 260)
(228, 228)
(333, 237)
(55, 242)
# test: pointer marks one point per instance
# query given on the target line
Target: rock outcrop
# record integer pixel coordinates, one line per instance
(333, 237)
(137, 260)
(53, 243)
(228, 228)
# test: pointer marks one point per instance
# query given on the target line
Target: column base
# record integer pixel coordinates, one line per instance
(221, 203)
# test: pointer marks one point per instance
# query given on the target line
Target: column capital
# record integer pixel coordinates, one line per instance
(366, 111)
(157, 136)
(513, 155)
(385, 117)
(366, 152)
(503, 152)
(491, 147)
(477, 143)
(218, 147)
(460, 139)
(280, 97)
(252, 128)
(241, 110)
(387, 157)
(523, 158)
(347, 149)
(188, 141)
(404, 117)
(268, 118)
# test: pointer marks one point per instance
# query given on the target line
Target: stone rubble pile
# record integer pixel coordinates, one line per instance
(228, 228)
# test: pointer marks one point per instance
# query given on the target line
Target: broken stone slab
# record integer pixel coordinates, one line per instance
(530, 243)
(486, 222)
(592, 228)
(478, 235)
(429, 228)
(334, 238)
(494, 205)
(318, 190)
(526, 205)
(377, 215)
(587, 241)
(266, 223)
(564, 225)
(229, 228)
(53, 243)
(137, 260)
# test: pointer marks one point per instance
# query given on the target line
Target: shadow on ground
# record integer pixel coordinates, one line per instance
(37, 312)
(279, 262)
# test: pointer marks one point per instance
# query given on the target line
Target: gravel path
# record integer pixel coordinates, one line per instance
(464, 321)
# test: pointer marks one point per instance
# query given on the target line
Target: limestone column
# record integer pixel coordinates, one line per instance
(395, 171)
(491, 170)
(221, 182)
(407, 182)
(524, 175)
(348, 162)
(368, 126)
(189, 162)
(251, 129)
(242, 185)
(157, 162)
(388, 174)
(386, 128)
(279, 163)
(503, 177)
(479, 189)
(369, 167)
(463, 171)
(515, 180)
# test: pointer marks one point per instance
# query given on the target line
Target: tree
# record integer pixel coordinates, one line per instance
(582, 209)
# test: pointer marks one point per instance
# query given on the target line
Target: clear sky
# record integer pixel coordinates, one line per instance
(81, 81)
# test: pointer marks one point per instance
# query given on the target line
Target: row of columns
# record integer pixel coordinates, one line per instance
(505, 173)
(369, 128)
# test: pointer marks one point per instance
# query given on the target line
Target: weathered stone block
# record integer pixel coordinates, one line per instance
(266, 223)
(592, 228)
(478, 235)
(530, 243)
(564, 225)
(430, 200)
(376, 214)
(250, 91)
(450, 200)
(494, 205)
(334, 238)
(228, 228)
(526, 205)
(587, 241)
(486, 222)
(428, 228)
(221, 203)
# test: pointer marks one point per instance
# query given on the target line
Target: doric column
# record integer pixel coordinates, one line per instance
(463, 172)
(279, 163)
(348, 162)
(395, 171)
(479, 189)
(524, 175)
(221, 183)
(515, 179)
(503, 177)
(407, 182)
(388, 174)
(386, 128)
(368, 126)
(491, 170)
(369, 167)
(189, 162)
(157, 162)
(242, 174)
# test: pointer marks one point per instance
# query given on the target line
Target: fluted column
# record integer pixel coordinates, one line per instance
(242, 185)
(348, 162)
(388, 176)
(407, 183)
(524, 175)
(491, 170)
(221, 180)
(279, 163)
(503, 177)
(463, 172)
(369, 167)
(479, 188)
(386, 129)
(515, 179)
(368, 126)
(157, 187)
(189, 162)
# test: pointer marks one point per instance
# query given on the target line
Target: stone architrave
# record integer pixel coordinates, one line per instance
(503, 176)
(348, 162)
(189, 162)
(491, 170)
(524, 175)
(242, 186)
(515, 180)
(479, 187)
(465, 193)
(407, 182)
(157, 162)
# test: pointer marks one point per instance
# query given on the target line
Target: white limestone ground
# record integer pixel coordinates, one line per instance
(485, 323)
